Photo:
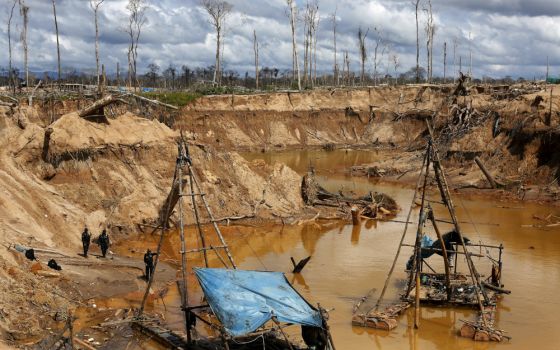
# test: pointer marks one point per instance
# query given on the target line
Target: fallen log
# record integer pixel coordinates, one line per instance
(93, 108)
(485, 172)
(496, 288)
(155, 102)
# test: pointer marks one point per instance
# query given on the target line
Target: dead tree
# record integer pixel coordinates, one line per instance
(94, 4)
(295, 62)
(378, 52)
(363, 53)
(454, 60)
(335, 66)
(218, 11)
(444, 62)
(11, 70)
(347, 65)
(57, 41)
(430, 30)
(314, 28)
(396, 66)
(256, 49)
(24, 12)
(416, 4)
(310, 24)
(470, 55)
(136, 20)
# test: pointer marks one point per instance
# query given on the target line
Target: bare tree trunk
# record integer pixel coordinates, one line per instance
(118, 75)
(256, 49)
(454, 60)
(470, 56)
(335, 67)
(315, 29)
(417, 4)
(445, 62)
(95, 7)
(363, 53)
(57, 41)
(547, 66)
(24, 11)
(292, 5)
(217, 68)
(10, 68)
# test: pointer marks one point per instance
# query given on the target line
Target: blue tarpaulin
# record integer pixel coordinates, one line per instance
(245, 300)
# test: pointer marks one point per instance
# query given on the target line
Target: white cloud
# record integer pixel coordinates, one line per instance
(508, 36)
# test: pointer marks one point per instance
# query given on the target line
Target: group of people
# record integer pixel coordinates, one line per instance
(104, 243)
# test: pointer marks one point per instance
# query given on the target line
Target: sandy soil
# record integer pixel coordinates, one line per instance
(117, 174)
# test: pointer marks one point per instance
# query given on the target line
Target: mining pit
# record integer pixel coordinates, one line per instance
(251, 153)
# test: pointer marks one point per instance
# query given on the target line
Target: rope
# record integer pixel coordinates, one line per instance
(261, 336)
(252, 250)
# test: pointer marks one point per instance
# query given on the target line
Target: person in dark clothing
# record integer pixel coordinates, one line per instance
(103, 242)
(86, 239)
(149, 261)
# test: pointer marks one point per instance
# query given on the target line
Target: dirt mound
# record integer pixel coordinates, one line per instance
(114, 174)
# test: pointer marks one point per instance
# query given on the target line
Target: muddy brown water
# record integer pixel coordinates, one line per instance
(347, 262)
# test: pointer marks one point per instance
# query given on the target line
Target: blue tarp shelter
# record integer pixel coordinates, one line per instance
(245, 300)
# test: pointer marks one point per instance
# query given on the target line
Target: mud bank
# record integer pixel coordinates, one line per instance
(512, 129)
(116, 174)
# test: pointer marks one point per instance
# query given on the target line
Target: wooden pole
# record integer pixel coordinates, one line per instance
(548, 118)
(283, 333)
(485, 172)
(412, 206)
(164, 227)
(444, 253)
(447, 198)
(195, 210)
(184, 294)
(214, 224)
(418, 251)
(326, 325)
(355, 215)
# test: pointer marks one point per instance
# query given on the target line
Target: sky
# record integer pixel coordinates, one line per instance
(506, 37)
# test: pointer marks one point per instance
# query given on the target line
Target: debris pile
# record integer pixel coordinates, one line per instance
(371, 206)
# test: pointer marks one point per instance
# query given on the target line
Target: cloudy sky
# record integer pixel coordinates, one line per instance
(507, 37)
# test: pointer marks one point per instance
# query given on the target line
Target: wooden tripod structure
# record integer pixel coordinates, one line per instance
(432, 170)
(175, 197)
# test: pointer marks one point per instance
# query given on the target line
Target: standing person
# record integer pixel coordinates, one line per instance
(149, 261)
(86, 239)
(103, 242)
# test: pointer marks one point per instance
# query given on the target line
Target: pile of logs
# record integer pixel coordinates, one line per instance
(372, 206)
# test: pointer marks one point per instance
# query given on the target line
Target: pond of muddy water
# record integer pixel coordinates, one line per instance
(347, 262)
